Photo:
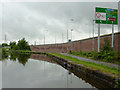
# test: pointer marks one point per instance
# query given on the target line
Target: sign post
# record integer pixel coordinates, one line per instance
(106, 16)
(98, 37)
(112, 35)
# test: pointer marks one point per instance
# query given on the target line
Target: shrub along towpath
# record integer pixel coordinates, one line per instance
(94, 61)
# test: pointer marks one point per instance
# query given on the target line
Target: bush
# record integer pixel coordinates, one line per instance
(84, 53)
(106, 46)
(108, 58)
(70, 52)
(89, 54)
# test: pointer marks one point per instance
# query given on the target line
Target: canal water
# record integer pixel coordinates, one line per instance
(38, 71)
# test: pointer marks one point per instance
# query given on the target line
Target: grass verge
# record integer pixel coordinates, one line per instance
(110, 57)
(90, 65)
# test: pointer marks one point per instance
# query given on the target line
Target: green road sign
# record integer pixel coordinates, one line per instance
(106, 15)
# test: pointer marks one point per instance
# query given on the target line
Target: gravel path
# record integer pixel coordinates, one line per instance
(97, 62)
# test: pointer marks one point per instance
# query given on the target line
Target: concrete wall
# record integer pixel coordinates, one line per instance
(85, 45)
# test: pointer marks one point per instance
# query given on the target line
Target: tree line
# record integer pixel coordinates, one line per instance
(20, 45)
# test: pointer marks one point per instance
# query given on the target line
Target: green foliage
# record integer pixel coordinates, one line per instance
(12, 45)
(0, 53)
(23, 58)
(21, 45)
(96, 55)
(15, 47)
(4, 44)
(70, 51)
(13, 56)
(4, 53)
(0, 45)
(20, 57)
(117, 84)
(107, 46)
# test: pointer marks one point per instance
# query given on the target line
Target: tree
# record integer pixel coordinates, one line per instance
(4, 44)
(23, 44)
(12, 45)
(107, 46)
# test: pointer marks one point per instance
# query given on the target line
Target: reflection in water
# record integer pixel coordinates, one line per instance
(22, 58)
(0, 55)
(0, 68)
(13, 56)
(38, 73)
(4, 55)
(42, 57)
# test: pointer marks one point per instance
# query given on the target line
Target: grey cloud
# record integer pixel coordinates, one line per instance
(31, 19)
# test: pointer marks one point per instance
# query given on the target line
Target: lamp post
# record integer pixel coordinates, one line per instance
(62, 43)
(44, 35)
(62, 38)
(89, 30)
(67, 32)
(44, 40)
(112, 34)
(67, 28)
(55, 38)
(93, 35)
(71, 34)
(71, 39)
(34, 42)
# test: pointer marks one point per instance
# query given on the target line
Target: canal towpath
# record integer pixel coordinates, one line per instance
(94, 61)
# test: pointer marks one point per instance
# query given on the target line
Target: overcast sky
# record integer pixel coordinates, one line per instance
(32, 19)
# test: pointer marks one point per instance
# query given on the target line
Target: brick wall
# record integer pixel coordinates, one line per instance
(85, 45)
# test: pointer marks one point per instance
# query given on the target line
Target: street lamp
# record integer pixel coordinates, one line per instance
(67, 28)
(62, 42)
(55, 38)
(71, 34)
(44, 35)
(71, 39)
(34, 42)
(93, 35)
(67, 32)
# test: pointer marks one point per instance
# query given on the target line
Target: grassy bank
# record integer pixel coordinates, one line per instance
(90, 65)
(110, 57)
